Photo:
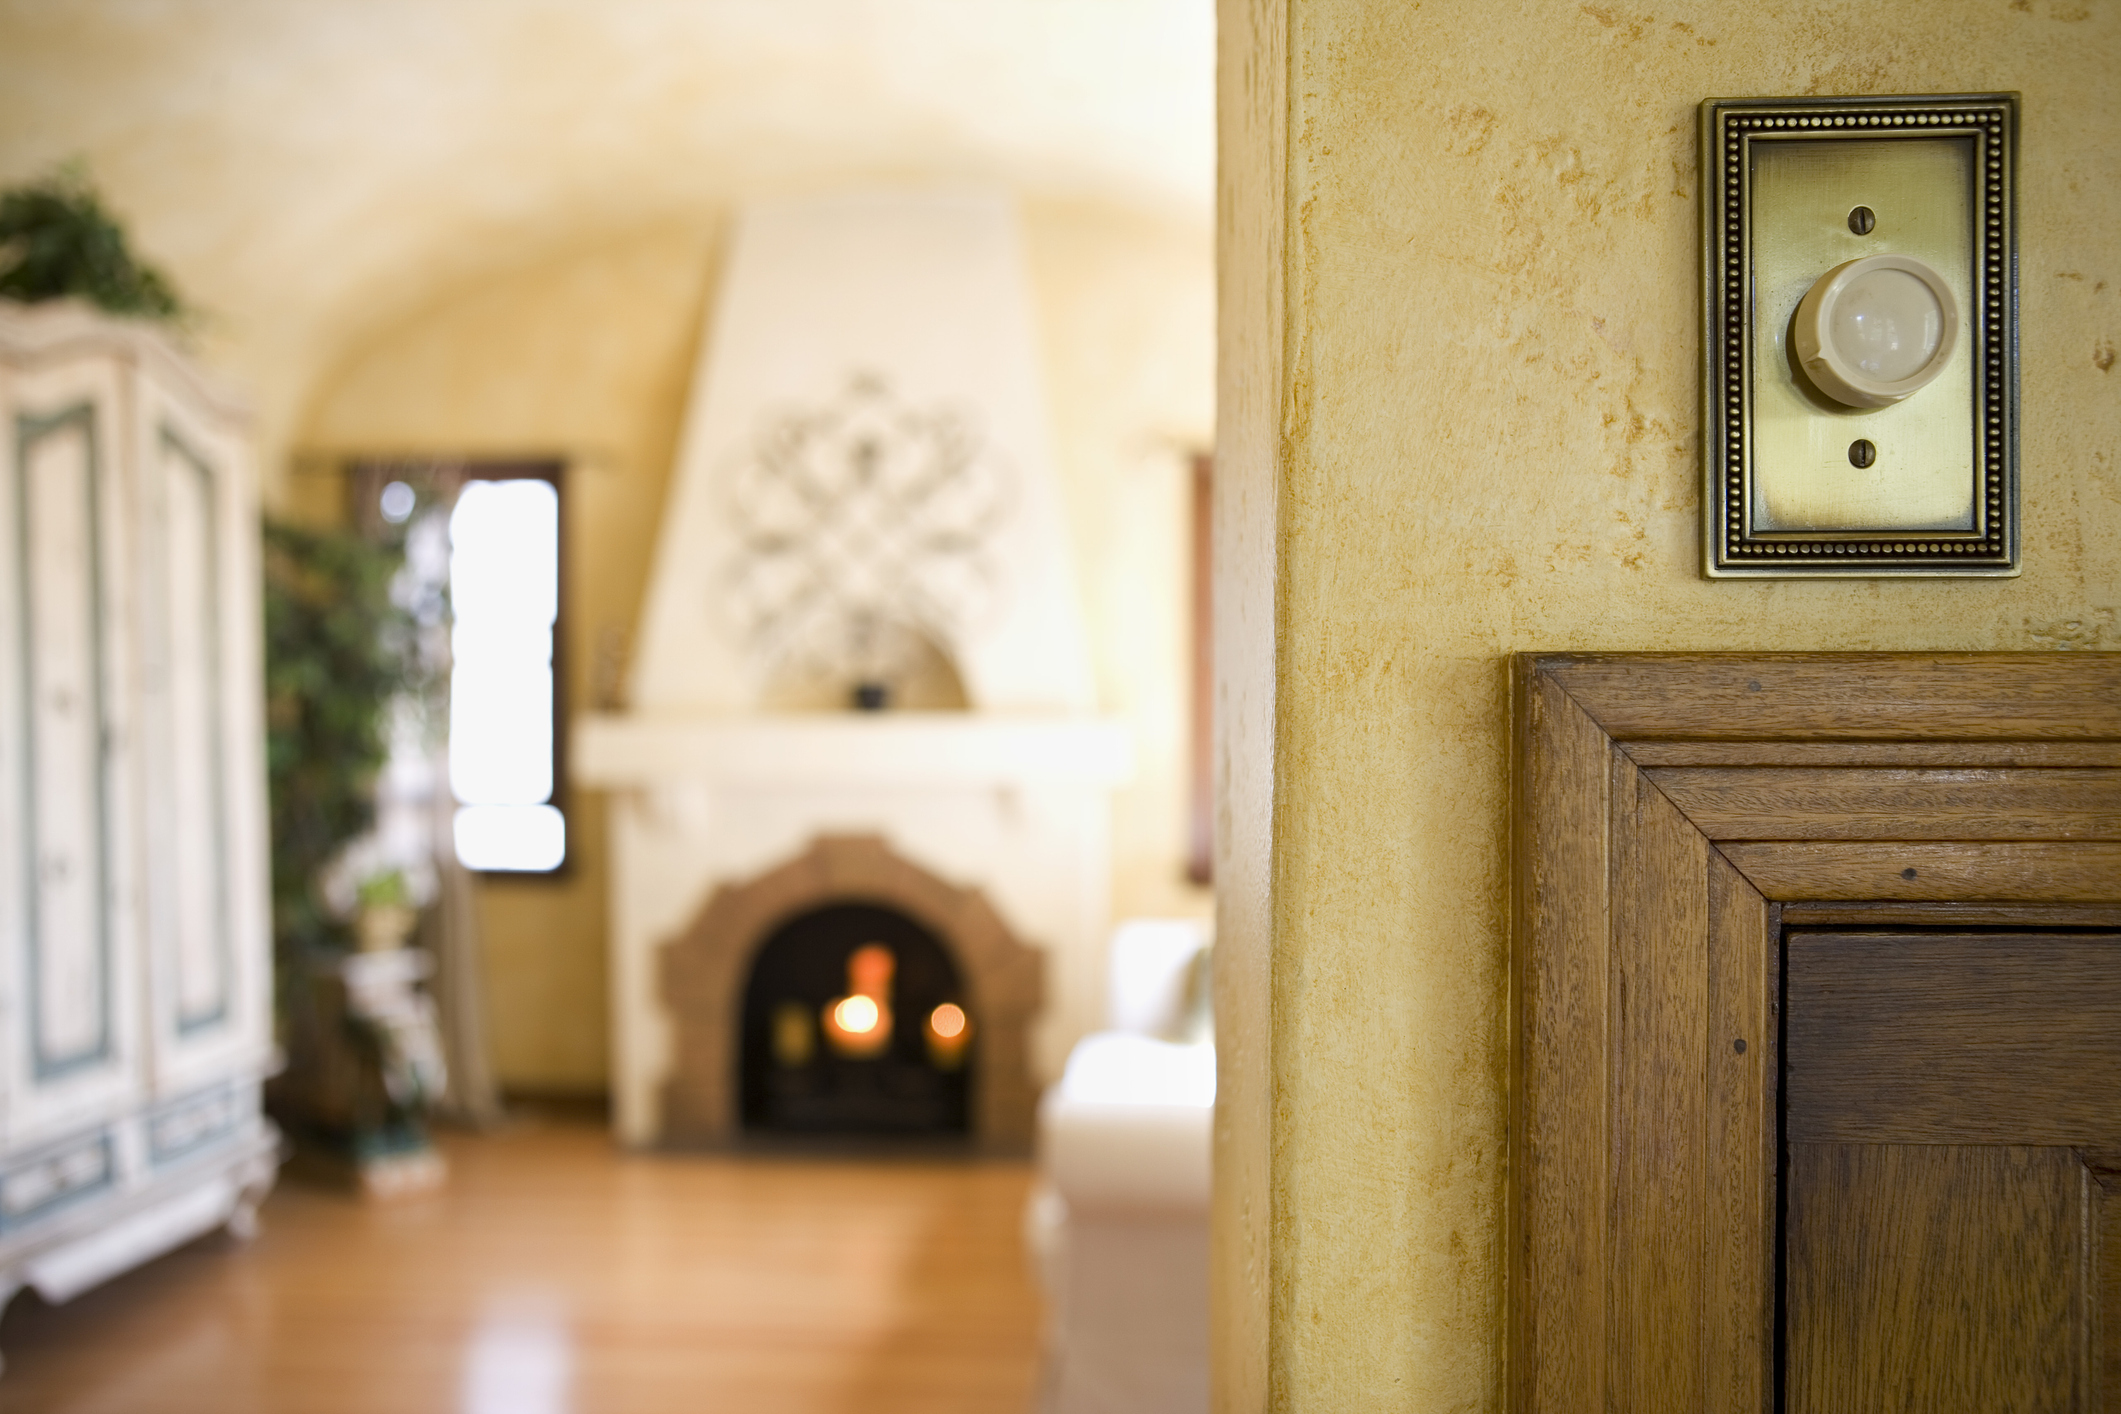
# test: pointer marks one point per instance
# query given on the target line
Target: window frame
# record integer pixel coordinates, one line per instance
(439, 481)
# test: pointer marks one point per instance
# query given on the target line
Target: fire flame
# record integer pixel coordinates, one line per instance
(857, 1015)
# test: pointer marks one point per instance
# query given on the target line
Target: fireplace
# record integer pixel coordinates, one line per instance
(762, 986)
(854, 1021)
(864, 511)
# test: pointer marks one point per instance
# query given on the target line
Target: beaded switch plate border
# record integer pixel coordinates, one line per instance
(1738, 539)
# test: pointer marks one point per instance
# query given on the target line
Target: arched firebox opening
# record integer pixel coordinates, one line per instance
(855, 1021)
(707, 980)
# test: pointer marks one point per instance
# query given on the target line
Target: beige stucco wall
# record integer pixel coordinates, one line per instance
(588, 355)
(1459, 393)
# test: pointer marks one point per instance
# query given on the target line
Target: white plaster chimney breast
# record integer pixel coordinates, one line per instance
(925, 299)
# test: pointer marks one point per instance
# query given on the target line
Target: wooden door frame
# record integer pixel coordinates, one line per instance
(1671, 814)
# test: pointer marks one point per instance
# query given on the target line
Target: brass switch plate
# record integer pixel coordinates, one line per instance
(1794, 484)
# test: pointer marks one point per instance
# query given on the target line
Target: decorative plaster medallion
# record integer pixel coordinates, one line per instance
(865, 530)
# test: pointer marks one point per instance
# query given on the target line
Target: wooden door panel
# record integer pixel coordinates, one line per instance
(1941, 1039)
(1947, 1101)
(1939, 1278)
(2106, 1283)
(1892, 792)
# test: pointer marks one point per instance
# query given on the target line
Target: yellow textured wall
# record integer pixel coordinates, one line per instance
(588, 355)
(1460, 364)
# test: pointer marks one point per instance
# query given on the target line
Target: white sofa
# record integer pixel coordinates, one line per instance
(1119, 1220)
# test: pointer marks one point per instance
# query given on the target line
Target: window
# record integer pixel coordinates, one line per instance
(504, 738)
(482, 579)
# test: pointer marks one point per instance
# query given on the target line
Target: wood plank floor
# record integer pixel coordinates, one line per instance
(556, 1275)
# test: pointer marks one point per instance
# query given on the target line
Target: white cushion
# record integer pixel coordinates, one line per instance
(1130, 1125)
(1149, 974)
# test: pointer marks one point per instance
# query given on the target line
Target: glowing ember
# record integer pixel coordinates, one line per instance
(869, 970)
(947, 1021)
(857, 1015)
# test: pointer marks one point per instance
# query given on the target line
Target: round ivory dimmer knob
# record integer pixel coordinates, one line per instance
(1872, 331)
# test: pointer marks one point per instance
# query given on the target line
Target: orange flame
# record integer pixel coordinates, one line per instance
(857, 1015)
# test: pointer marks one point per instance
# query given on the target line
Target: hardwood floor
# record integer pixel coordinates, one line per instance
(555, 1275)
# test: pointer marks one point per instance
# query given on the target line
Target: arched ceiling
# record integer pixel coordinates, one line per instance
(308, 170)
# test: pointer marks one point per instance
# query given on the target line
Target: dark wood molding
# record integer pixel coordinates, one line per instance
(704, 972)
(1200, 723)
(1667, 810)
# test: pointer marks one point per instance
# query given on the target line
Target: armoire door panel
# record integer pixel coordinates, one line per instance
(1949, 1279)
(193, 878)
(64, 696)
(69, 938)
(208, 1003)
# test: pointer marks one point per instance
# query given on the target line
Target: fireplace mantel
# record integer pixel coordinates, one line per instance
(846, 749)
(1016, 806)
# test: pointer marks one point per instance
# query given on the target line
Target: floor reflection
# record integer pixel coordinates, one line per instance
(521, 1358)
(556, 1276)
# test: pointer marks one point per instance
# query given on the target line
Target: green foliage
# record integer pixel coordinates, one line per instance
(384, 890)
(56, 239)
(336, 650)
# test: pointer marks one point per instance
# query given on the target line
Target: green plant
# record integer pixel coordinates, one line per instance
(336, 650)
(385, 890)
(57, 239)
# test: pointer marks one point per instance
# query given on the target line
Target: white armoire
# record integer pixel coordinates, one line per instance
(135, 952)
